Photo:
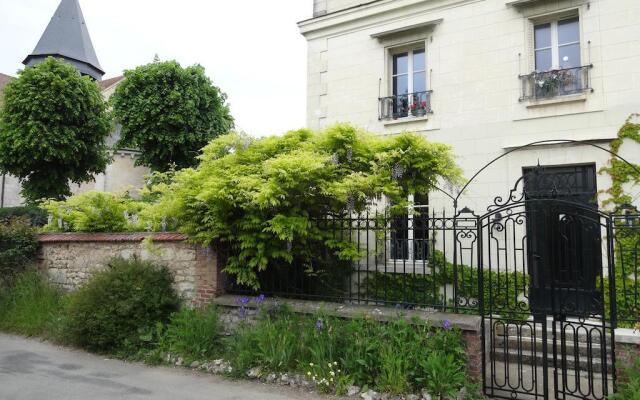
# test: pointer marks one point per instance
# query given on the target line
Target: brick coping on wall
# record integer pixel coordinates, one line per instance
(470, 323)
(76, 237)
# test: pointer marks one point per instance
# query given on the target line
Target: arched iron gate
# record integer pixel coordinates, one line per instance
(545, 253)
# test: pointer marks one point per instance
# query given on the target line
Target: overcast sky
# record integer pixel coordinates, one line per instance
(251, 49)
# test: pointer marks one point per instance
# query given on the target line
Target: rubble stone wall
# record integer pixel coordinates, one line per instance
(70, 259)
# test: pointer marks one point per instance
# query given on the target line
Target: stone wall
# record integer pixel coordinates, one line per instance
(69, 259)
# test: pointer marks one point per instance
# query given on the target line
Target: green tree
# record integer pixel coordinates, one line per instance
(53, 126)
(259, 200)
(169, 113)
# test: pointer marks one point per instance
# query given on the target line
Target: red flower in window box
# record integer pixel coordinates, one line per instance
(418, 108)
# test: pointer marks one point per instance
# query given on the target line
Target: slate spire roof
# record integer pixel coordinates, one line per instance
(67, 37)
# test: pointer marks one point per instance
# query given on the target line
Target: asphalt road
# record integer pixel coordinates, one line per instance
(33, 370)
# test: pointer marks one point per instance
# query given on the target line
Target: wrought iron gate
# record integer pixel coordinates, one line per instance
(545, 253)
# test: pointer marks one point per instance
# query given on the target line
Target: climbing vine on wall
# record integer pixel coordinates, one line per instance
(621, 172)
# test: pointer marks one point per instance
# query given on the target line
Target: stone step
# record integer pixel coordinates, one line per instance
(527, 357)
(583, 348)
(577, 333)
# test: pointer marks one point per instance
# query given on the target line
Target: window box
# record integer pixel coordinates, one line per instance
(411, 105)
(549, 85)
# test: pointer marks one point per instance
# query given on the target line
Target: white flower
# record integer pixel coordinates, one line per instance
(308, 373)
(332, 373)
(311, 364)
(335, 363)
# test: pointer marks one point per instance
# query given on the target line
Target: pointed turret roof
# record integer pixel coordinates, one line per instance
(67, 37)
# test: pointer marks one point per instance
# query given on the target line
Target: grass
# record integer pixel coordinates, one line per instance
(629, 381)
(32, 307)
(194, 334)
(397, 357)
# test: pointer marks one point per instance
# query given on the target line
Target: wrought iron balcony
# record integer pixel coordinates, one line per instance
(416, 104)
(555, 83)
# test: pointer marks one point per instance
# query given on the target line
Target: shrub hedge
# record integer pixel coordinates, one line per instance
(119, 306)
(18, 247)
(36, 215)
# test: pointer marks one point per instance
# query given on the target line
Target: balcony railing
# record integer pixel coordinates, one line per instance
(555, 83)
(416, 104)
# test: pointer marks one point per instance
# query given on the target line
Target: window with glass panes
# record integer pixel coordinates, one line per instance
(409, 75)
(409, 235)
(557, 45)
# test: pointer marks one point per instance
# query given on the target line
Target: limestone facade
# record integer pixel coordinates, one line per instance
(476, 53)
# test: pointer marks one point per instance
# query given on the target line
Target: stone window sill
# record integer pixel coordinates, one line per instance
(573, 98)
(405, 120)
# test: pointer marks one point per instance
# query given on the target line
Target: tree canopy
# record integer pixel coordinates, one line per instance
(53, 127)
(257, 200)
(169, 113)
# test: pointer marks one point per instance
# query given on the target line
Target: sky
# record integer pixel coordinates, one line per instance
(251, 49)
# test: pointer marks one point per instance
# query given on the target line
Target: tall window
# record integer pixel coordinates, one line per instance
(409, 236)
(557, 56)
(557, 45)
(409, 82)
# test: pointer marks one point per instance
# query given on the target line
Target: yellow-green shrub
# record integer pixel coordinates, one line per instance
(93, 212)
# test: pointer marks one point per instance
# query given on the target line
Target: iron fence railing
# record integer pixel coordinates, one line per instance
(431, 261)
(405, 260)
(558, 82)
(416, 104)
(626, 246)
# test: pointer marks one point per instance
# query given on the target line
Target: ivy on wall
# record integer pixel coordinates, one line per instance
(620, 172)
(627, 237)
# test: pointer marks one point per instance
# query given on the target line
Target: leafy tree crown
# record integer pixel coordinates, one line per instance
(53, 127)
(169, 113)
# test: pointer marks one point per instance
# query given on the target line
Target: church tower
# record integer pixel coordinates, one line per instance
(67, 38)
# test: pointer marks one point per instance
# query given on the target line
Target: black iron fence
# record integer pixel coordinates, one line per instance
(430, 260)
(412, 260)
(416, 104)
(554, 83)
(626, 246)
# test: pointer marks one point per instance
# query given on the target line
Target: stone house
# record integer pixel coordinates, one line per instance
(67, 38)
(530, 95)
(485, 76)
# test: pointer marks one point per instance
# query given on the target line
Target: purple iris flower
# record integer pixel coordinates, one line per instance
(319, 325)
(243, 301)
(260, 299)
(446, 324)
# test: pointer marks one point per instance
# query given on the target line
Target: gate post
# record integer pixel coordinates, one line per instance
(481, 302)
(613, 319)
(455, 260)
